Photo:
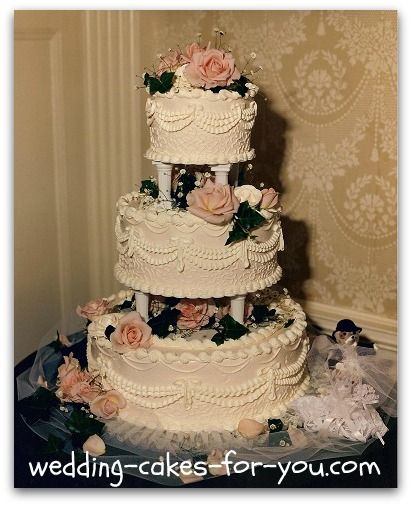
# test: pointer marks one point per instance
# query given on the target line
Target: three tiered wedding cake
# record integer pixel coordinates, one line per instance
(200, 341)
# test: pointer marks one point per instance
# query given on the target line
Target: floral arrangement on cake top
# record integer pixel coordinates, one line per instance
(246, 206)
(202, 66)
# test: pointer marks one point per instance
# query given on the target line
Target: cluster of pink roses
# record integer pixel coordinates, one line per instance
(206, 67)
(217, 203)
(77, 385)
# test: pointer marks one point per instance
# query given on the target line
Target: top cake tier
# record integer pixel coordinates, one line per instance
(200, 127)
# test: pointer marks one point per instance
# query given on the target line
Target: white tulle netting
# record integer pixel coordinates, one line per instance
(351, 397)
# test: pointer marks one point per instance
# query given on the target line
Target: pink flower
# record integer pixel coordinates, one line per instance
(74, 384)
(108, 404)
(215, 203)
(69, 370)
(171, 62)
(210, 68)
(194, 313)
(93, 309)
(84, 390)
(94, 445)
(270, 198)
(193, 48)
(131, 333)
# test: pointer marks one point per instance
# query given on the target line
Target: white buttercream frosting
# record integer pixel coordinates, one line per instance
(174, 253)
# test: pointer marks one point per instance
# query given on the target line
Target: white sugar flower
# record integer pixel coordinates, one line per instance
(253, 55)
(248, 193)
(182, 171)
(170, 328)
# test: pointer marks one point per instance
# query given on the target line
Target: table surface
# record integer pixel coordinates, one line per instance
(28, 447)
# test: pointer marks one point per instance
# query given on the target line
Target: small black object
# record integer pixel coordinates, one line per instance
(275, 425)
(346, 326)
(109, 331)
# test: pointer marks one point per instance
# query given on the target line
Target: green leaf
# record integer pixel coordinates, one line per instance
(236, 234)
(39, 405)
(55, 444)
(160, 324)
(161, 85)
(260, 313)
(146, 79)
(245, 220)
(149, 186)
(188, 184)
(229, 329)
(80, 422)
(218, 339)
(288, 323)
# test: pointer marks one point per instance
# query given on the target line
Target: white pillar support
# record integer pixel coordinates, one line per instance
(221, 172)
(164, 181)
(142, 304)
(237, 308)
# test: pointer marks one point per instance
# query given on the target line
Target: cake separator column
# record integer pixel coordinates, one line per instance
(237, 308)
(164, 180)
(142, 304)
(221, 172)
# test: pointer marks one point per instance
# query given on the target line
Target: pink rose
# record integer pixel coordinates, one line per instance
(93, 309)
(170, 62)
(69, 370)
(215, 203)
(211, 68)
(193, 48)
(269, 198)
(131, 333)
(194, 313)
(84, 390)
(108, 404)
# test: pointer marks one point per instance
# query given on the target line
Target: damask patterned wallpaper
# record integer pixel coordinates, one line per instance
(326, 137)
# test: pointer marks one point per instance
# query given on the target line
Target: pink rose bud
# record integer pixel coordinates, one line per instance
(95, 446)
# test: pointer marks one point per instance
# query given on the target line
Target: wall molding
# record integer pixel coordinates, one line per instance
(383, 331)
(113, 146)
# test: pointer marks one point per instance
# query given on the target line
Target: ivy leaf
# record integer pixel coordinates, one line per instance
(260, 313)
(146, 78)
(239, 85)
(236, 234)
(188, 184)
(218, 339)
(167, 80)
(109, 331)
(82, 426)
(149, 186)
(55, 444)
(245, 220)
(160, 324)
(288, 323)
(249, 217)
(161, 85)
(231, 328)
(38, 405)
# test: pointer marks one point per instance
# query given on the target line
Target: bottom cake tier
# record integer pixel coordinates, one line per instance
(191, 384)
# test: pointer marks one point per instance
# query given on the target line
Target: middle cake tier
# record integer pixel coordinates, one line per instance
(173, 253)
